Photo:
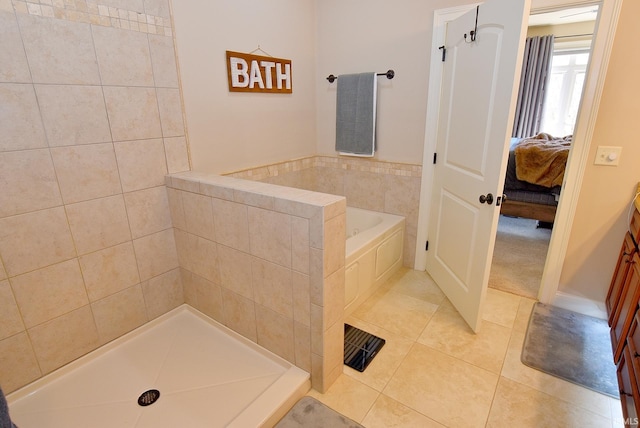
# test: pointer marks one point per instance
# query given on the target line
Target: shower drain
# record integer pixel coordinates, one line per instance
(149, 397)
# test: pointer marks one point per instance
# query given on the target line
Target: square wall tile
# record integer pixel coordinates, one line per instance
(28, 182)
(109, 271)
(177, 154)
(10, 318)
(170, 108)
(134, 5)
(99, 223)
(334, 243)
(148, 211)
(203, 257)
(301, 298)
(13, 62)
(35, 240)
(20, 124)
(203, 295)
(231, 223)
(235, 271)
(270, 235)
(272, 286)
(142, 164)
(198, 212)
(3, 273)
(49, 292)
(163, 293)
(86, 172)
(123, 56)
(302, 346)
(176, 209)
(18, 364)
(73, 114)
(119, 313)
(163, 58)
(157, 8)
(156, 254)
(63, 339)
(300, 244)
(275, 333)
(240, 314)
(59, 51)
(133, 113)
(364, 190)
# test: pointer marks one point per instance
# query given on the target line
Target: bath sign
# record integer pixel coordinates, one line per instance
(256, 73)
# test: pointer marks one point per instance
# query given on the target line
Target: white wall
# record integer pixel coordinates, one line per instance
(376, 35)
(229, 131)
(601, 215)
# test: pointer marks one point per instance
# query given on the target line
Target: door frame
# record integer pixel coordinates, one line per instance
(604, 33)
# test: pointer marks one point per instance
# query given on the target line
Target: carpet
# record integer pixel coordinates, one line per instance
(571, 346)
(519, 256)
(310, 413)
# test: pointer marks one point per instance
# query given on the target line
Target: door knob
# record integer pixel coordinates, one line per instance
(488, 198)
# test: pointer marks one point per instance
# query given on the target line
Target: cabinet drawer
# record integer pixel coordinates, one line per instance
(633, 345)
(628, 391)
(626, 308)
(619, 275)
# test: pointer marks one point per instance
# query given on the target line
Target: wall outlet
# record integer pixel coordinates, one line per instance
(608, 155)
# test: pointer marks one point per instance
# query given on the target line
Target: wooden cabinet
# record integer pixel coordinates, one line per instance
(626, 306)
(622, 303)
(619, 275)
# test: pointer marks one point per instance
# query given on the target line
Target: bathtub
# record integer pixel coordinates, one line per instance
(206, 374)
(373, 253)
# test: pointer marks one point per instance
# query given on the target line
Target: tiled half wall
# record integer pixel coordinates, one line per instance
(266, 261)
(388, 187)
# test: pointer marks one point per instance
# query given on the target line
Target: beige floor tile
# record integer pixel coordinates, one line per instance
(388, 413)
(500, 307)
(397, 312)
(416, 284)
(519, 405)
(448, 332)
(349, 397)
(524, 313)
(446, 389)
(386, 362)
(584, 398)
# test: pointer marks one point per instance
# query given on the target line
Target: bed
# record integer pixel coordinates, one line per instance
(525, 198)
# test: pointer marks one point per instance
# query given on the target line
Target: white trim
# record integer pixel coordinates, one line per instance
(603, 41)
(585, 124)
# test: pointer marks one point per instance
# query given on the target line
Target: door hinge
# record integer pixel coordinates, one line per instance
(444, 52)
(435, 158)
(426, 246)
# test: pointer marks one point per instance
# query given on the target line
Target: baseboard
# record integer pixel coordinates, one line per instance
(581, 305)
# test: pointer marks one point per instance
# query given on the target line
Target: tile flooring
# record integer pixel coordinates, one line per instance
(434, 372)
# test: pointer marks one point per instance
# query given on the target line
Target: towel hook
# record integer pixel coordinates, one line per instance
(473, 33)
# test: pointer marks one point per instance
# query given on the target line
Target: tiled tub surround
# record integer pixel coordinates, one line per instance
(90, 124)
(387, 187)
(268, 262)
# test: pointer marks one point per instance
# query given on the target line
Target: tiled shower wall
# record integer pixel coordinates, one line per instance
(388, 187)
(266, 261)
(90, 124)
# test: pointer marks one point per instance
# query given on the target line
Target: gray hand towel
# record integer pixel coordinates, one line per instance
(5, 420)
(356, 114)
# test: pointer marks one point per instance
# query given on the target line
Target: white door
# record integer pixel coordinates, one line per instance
(479, 91)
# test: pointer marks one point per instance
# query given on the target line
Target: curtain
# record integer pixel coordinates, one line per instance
(536, 67)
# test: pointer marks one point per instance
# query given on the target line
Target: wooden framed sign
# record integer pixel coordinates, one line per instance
(257, 73)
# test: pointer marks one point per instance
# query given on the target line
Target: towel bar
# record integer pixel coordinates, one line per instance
(390, 75)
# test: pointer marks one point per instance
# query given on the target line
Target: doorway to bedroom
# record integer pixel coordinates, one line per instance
(526, 221)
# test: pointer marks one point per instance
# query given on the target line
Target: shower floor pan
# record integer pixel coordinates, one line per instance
(205, 374)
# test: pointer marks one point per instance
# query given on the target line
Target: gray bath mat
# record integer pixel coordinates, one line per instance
(310, 413)
(571, 346)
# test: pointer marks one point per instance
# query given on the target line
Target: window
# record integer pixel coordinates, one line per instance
(568, 69)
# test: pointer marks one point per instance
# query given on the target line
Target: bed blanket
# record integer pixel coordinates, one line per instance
(542, 159)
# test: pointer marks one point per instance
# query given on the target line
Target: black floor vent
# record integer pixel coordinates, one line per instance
(360, 347)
